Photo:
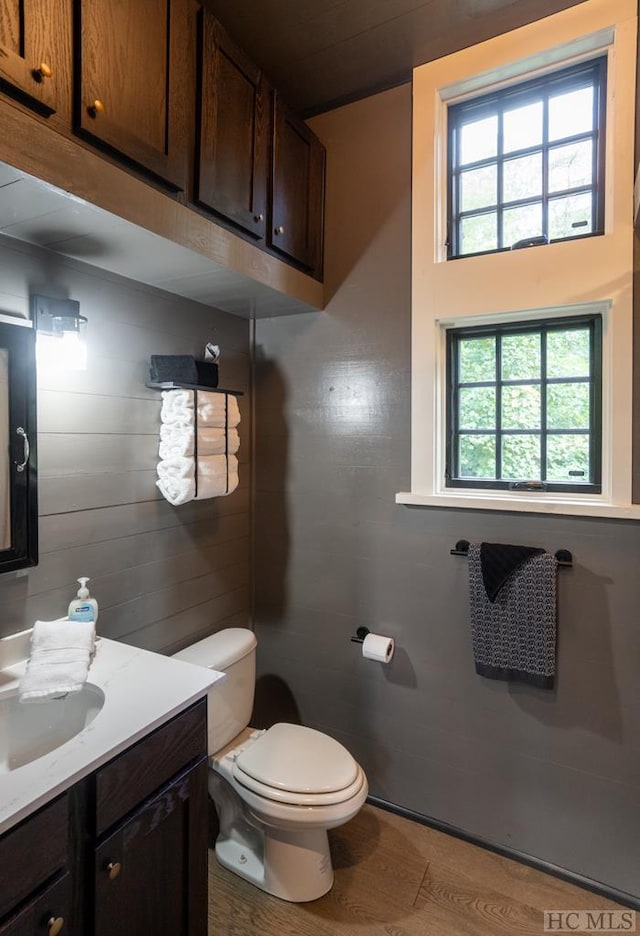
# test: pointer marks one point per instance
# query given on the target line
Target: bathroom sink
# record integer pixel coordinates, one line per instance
(29, 731)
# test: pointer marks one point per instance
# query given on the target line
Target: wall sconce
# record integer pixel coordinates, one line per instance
(60, 332)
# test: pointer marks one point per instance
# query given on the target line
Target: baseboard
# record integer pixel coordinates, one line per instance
(611, 893)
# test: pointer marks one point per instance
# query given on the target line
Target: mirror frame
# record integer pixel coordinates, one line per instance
(18, 336)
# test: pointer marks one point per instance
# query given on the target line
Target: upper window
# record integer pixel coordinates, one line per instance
(526, 163)
(524, 405)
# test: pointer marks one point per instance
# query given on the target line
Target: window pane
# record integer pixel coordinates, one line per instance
(477, 456)
(521, 407)
(570, 166)
(476, 359)
(521, 357)
(570, 216)
(521, 457)
(479, 232)
(477, 408)
(522, 178)
(568, 353)
(568, 406)
(518, 223)
(478, 140)
(522, 127)
(570, 113)
(568, 458)
(478, 188)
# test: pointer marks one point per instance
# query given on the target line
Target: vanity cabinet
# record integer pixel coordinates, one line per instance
(123, 851)
(35, 52)
(233, 131)
(134, 62)
(298, 161)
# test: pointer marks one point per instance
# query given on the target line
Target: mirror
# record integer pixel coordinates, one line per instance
(18, 475)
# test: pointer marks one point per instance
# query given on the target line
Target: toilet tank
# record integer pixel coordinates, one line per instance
(229, 703)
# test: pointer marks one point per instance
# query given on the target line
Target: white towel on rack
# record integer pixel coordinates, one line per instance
(216, 478)
(178, 441)
(177, 407)
(217, 410)
(176, 468)
(59, 661)
(177, 490)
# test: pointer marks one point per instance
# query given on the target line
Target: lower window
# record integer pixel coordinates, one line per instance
(524, 405)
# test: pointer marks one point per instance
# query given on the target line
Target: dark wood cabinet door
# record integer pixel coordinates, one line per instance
(297, 190)
(35, 52)
(233, 131)
(134, 66)
(151, 873)
(50, 911)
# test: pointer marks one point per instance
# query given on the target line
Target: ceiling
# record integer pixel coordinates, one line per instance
(323, 53)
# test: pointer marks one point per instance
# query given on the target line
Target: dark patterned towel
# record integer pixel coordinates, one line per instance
(514, 637)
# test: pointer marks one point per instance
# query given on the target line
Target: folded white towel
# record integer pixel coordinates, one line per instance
(176, 469)
(215, 478)
(177, 490)
(177, 399)
(59, 661)
(178, 441)
(218, 410)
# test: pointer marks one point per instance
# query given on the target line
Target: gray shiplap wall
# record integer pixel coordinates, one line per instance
(162, 575)
(555, 775)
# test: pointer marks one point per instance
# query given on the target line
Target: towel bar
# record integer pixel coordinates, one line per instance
(563, 556)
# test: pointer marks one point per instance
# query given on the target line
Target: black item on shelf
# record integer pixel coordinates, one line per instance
(180, 368)
(207, 373)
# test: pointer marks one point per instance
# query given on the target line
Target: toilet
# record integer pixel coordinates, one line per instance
(278, 791)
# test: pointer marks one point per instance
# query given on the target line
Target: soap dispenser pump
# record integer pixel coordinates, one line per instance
(83, 608)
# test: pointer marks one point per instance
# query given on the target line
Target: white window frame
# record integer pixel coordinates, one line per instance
(566, 278)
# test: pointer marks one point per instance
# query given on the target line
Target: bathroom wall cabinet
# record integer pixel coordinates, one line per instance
(134, 61)
(123, 851)
(35, 52)
(234, 131)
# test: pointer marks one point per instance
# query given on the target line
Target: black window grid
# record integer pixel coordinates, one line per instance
(589, 74)
(594, 380)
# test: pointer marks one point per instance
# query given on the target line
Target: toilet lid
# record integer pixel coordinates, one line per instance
(299, 760)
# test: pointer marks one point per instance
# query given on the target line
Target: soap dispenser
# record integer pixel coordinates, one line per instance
(83, 608)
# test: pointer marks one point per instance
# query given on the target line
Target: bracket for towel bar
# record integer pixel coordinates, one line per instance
(563, 556)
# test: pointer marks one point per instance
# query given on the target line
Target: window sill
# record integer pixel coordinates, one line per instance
(533, 503)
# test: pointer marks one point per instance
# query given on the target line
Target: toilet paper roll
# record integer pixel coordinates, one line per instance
(378, 647)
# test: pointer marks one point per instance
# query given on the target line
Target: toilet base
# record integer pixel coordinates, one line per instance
(293, 866)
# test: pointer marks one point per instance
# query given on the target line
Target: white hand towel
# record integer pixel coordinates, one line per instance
(176, 469)
(176, 441)
(214, 441)
(177, 399)
(59, 662)
(214, 411)
(177, 490)
(215, 478)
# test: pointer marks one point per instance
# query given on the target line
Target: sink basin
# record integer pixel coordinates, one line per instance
(29, 731)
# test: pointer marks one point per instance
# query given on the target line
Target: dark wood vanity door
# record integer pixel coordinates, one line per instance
(233, 139)
(151, 873)
(134, 66)
(298, 190)
(50, 911)
(35, 52)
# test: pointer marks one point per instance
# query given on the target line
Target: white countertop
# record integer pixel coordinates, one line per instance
(142, 690)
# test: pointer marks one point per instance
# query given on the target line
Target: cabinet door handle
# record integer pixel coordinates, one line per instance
(43, 71)
(258, 218)
(279, 229)
(96, 108)
(26, 449)
(113, 869)
(55, 925)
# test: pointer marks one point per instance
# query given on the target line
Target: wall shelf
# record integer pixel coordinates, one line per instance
(172, 385)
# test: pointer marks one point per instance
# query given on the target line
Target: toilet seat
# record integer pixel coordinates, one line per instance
(296, 761)
(287, 797)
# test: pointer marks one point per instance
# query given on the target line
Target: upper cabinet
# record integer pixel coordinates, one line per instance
(298, 162)
(134, 79)
(35, 52)
(233, 131)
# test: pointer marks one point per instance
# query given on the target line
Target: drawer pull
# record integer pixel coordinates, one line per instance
(96, 108)
(55, 925)
(279, 229)
(258, 218)
(113, 868)
(43, 71)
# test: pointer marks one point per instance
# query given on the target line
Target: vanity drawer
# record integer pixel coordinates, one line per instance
(142, 769)
(47, 913)
(32, 852)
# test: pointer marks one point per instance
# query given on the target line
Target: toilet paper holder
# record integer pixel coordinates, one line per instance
(361, 633)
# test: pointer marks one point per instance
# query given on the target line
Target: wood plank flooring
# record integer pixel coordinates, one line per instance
(394, 877)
